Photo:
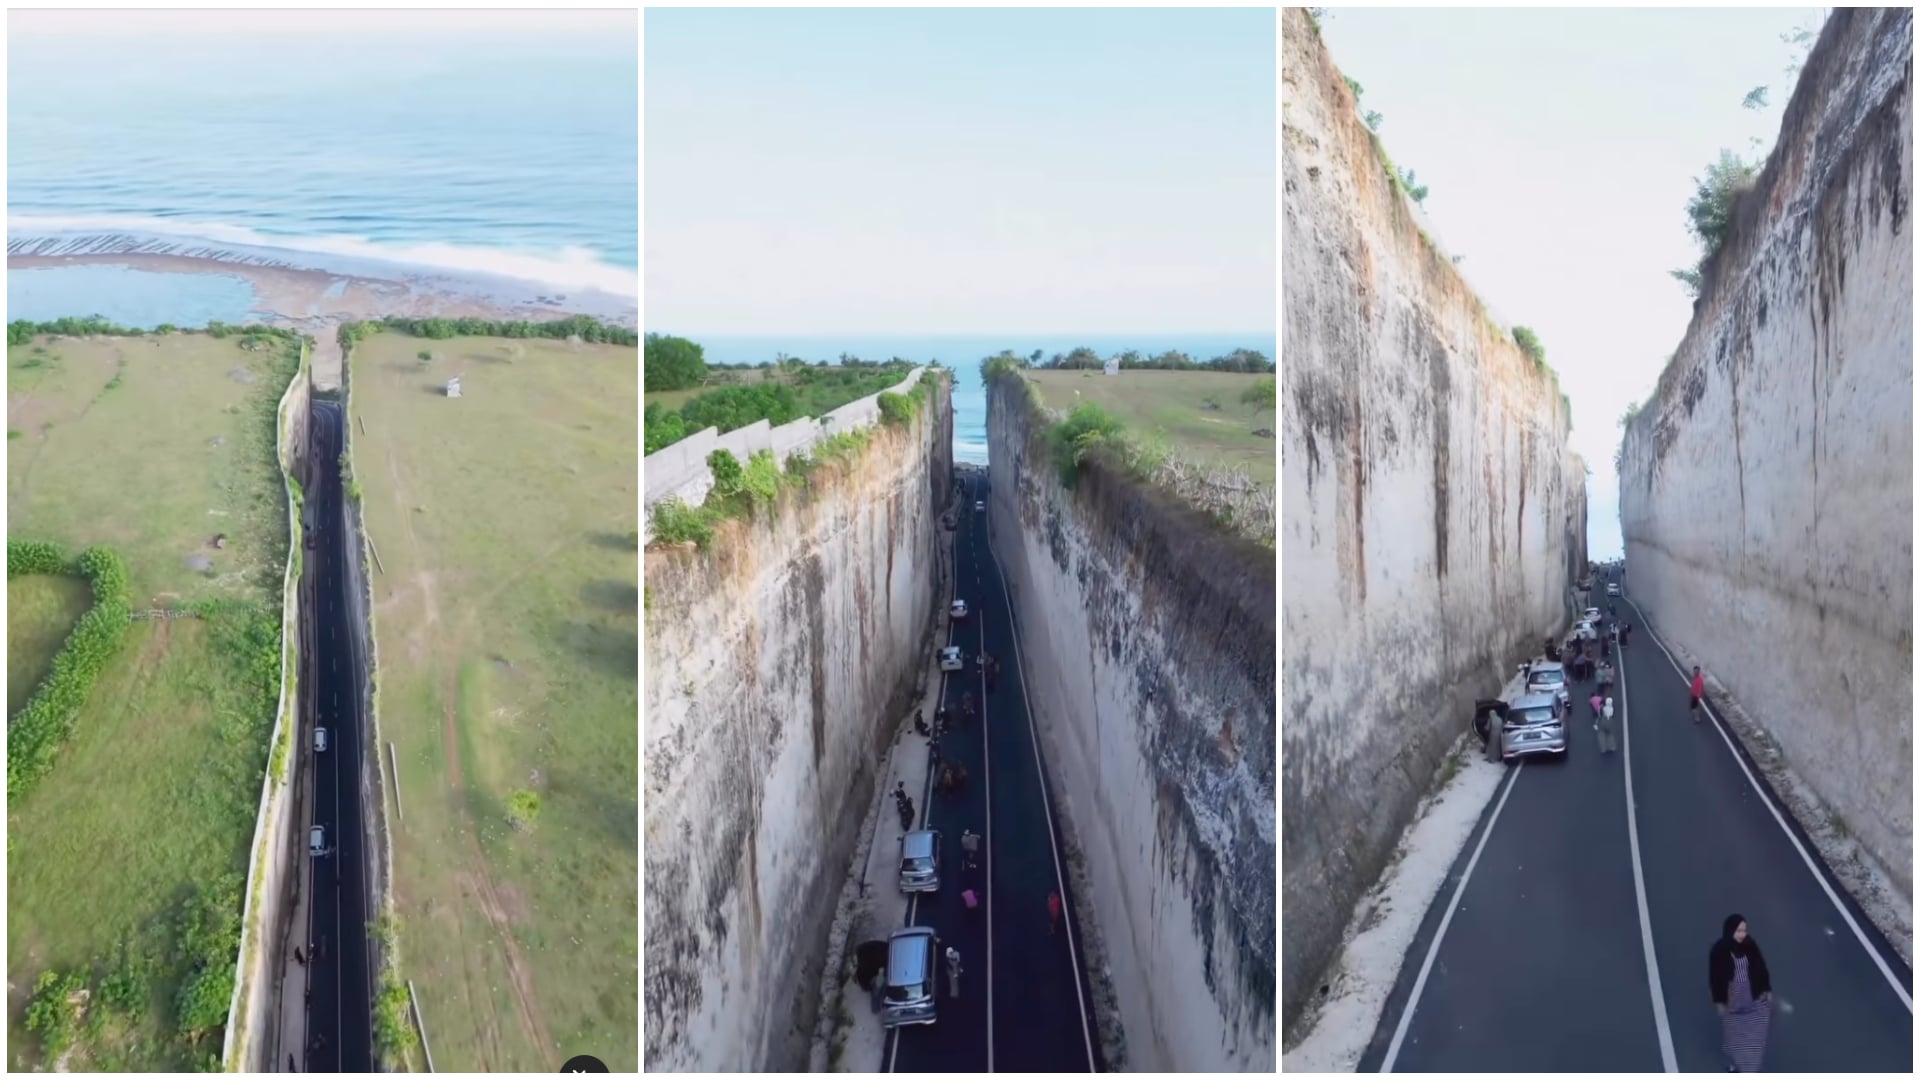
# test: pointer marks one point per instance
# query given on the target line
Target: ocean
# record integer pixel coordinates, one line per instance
(964, 353)
(446, 155)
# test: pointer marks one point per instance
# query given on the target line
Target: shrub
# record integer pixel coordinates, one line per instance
(393, 1035)
(1529, 343)
(50, 1013)
(674, 522)
(1086, 428)
(523, 807)
(38, 730)
(673, 363)
(896, 409)
(762, 480)
(728, 476)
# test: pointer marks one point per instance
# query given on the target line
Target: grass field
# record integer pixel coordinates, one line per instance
(507, 623)
(41, 611)
(1176, 404)
(733, 376)
(127, 861)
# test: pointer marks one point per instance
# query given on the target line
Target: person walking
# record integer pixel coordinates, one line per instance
(1606, 727)
(953, 972)
(970, 846)
(1742, 995)
(1053, 912)
(298, 958)
(1699, 690)
(906, 813)
(1596, 701)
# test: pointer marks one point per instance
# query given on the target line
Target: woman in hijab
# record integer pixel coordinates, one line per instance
(1743, 995)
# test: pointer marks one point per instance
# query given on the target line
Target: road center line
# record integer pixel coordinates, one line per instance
(1663, 1029)
(1779, 819)
(1440, 935)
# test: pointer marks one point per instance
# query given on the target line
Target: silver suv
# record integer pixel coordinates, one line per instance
(908, 998)
(1535, 724)
(920, 861)
(1549, 678)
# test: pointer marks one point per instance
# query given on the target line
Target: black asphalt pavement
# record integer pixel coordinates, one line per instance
(340, 989)
(1579, 941)
(1023, 1006)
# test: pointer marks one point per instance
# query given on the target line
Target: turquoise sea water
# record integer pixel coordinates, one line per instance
(447, 155)
(964, 353)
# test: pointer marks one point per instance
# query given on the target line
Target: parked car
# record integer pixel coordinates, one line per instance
(1536, 724)
(1613, 588)
(1591, 615)
(908, 997)
(979, 506)
(1549, 678)
(1586, 631)
(952, 660)
(317, 841)
(959, 609)
(319, 740)
(920, 861)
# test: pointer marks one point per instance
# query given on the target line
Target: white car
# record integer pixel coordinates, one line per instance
(319, 740)
(1591, 615)
(317, 841)
(1613, 588)
(951, 659)
(979, 506)
(959, 609)
(1585, 631)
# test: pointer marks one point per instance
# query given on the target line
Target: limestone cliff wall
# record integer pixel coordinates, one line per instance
(777, 664)
(1766, 490)
(1432, 513)
(1147, 649)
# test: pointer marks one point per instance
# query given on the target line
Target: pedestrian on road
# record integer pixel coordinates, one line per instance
(970, 898)
(953, 972)
(1606, 728)
(970, 844)
(906, 815)
(1742, 995)
(1053, 912)
(297, 958)
(1699, 690)
(1596, 701)
(933, 752)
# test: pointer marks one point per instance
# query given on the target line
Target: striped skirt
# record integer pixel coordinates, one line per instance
(1743, 1035)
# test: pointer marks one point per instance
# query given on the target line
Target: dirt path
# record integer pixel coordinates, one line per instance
(327, 358)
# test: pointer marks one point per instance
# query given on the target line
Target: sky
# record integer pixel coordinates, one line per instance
(1559, 148)
(929, 171)
(145, 21)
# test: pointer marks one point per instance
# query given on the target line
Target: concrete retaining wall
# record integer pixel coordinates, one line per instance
(680, 471)
(269, 893)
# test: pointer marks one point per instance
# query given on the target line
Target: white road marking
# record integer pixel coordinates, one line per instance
(1053, 843)
(1663, 1029)
(1453, 905)
(1845, 915)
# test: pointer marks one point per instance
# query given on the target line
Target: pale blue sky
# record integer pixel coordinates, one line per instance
(930, 171)
(1560, 147)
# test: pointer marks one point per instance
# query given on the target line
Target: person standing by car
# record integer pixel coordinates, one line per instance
(1742, 993)
(1495, 720)
(953, 972)
(1606, 727)
(1698, 691)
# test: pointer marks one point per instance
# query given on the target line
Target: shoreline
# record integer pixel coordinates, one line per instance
(305, 298)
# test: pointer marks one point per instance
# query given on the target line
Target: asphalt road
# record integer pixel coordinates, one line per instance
(339, 977)
(1023, 1005)
(1579, 940)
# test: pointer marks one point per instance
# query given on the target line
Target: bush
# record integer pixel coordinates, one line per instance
(673, 363)
(51, 1015)
(393, 1035)
(896, 409)
(1529, 343)
(1071, 440)
(674, 522)
(728, 476)
(38, 730)
(523, 807)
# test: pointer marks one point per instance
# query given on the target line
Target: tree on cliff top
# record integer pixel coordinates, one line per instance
(1710, 211)
(1529, 343)
(673, 363)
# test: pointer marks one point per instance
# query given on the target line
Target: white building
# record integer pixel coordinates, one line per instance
(453, 386)
(1113, 365)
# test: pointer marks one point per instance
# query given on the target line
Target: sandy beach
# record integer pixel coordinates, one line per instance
(288, 295)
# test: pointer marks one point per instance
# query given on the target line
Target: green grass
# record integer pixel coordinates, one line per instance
(507, 623)
(1174, 405)
(160, 778)
(717, 377)
(41, 611)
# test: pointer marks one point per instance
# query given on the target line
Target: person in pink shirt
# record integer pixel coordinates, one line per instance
(1699, 689)
(1596, 701)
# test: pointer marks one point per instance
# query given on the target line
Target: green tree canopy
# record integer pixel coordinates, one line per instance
(673, 363)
